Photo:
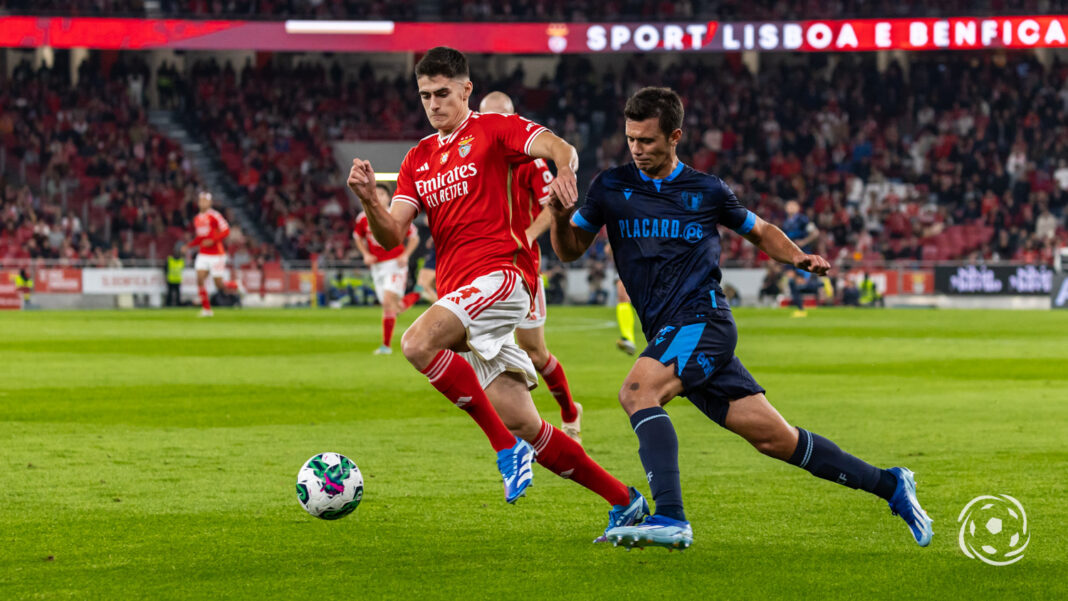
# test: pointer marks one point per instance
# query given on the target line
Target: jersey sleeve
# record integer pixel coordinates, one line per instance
(539, 180)
(590, 215)
(412, 231)
(222, 227)
(515, 134)
(360, 229)
(406, 191)
(731, 212)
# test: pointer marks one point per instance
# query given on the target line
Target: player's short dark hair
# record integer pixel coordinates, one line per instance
(384, 187)
(442, 60)
(651, 102)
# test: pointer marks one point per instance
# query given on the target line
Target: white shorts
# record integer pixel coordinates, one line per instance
(214, 264)
(389, 276)
(490, 308)
(535, 317)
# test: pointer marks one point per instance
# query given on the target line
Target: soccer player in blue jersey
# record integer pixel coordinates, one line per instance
(661, 218)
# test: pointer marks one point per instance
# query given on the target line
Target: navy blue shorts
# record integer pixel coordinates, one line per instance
(702, 351)
(431, 260)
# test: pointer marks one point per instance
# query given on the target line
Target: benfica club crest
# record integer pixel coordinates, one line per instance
(465, 146)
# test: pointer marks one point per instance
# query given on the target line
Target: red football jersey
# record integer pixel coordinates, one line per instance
(464, 182)
(363, 230)
(531, 183)
(210, 225)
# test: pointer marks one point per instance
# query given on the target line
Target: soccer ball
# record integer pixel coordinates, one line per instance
(329, 486)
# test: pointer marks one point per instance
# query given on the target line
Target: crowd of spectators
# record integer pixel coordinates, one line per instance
(273, 126)
(959, 156)
(537, 10)
(965, 156)
(84, 179)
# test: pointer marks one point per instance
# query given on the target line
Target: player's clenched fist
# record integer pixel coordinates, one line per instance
(362, 180)
(564, 189)
(813, 264)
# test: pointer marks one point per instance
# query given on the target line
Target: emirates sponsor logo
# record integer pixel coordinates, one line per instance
(445, 186)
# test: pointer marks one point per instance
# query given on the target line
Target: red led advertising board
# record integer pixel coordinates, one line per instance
(958, 33)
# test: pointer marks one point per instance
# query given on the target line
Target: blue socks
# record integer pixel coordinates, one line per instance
(658, 447)
(823, 459)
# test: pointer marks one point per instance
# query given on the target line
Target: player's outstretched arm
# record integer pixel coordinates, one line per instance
(548, 145)
(388, 224)
(569, 240)
(770, 239)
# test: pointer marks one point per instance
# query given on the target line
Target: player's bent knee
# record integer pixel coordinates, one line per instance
(525, 430)
(418, 349)
(634, 399)
(538, 356)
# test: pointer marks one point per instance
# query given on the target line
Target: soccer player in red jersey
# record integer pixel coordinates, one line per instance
(389, 270)
(461, 177)
(530, 183)
(211, 229)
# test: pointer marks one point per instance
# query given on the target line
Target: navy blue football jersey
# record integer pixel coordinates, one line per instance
(664, 237)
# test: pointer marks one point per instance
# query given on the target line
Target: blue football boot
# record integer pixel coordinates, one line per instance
(904, 504)
(515, 466)
(626, 515)
(656, 531)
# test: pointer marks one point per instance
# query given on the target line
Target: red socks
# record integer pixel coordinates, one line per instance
(456, 379)
(554, 376)
(408, 300)
(388, 321)
(204, 302)
(565, 458)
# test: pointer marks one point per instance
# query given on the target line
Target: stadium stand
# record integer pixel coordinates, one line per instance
(958, 160)
(85, 179)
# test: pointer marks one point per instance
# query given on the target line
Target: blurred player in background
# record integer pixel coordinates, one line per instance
(662, 219)
(426, 279)
(486, 273)
(389, 271)
(802, 232)
(530, 184)
(625, 318)
(211, 229)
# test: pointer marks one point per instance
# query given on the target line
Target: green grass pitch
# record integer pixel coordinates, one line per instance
(153, 455)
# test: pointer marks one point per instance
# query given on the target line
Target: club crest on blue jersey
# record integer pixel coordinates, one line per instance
(627, 192)
(692, 200)
(693, 232)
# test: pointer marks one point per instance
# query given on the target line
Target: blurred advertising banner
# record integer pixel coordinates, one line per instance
(891, 282)
(957, 33)
(9, 295)
(123, 281)
(1014, 280)
(58, 280)
(1059, 297)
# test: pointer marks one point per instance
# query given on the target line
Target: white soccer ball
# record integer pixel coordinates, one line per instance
(329, 486)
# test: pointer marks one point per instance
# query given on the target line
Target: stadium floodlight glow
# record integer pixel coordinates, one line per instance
(386, 176)
(340, 27)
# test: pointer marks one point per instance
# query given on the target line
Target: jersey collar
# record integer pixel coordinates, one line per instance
(675, 173)
(443, 140)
